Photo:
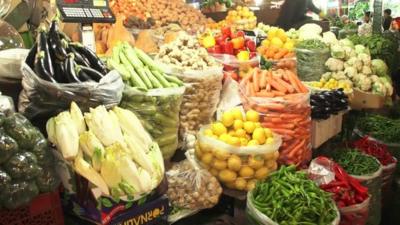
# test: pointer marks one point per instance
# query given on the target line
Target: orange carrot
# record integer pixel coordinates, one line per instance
(292, 78)
(265, 94)
(280, 125)
(278, 93)
(263, 80)
(289, 55)
(286, 85)
(275, 106)
(296, 149)
(268, 87)
(282, 52)
(252, 91)
(256, 81)
(282, 131)
(248, 89)
(276, 85)
(260, 109)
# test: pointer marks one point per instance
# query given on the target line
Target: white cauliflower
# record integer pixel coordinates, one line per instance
(374, 78)
(365, 58)
(358, 77)
(326, 76)
(366, 70)
(349, 52)
(338, 52)
(334, 64)
(340, 75)
(355, 62)
(350, 71)
(364, 83)
(379, 88)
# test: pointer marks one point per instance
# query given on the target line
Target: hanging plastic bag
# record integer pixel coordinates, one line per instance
(42, 99)
(230, 62)
(190, 188)
(311, 63)
(10, 62)
(6, 104)
(201, 97)
(158, 110)
(237, 167)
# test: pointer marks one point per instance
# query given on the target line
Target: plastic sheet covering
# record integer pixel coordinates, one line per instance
(311, 63)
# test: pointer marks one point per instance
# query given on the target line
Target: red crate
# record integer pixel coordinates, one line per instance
(45, 209)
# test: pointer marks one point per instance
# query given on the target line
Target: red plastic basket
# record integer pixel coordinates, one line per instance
(45, 209)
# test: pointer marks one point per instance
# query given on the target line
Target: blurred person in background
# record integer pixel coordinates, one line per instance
(293, 13)
(365, 29)
(387, 19)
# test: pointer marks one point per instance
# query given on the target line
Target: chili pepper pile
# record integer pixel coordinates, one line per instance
(355, 162)
(375, 149)
(289, 197)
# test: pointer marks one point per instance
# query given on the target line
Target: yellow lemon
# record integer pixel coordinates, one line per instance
(246, 171)
(214, 172)
(234, 141)
(265, 43)
(232, 133)
(224, 137)
(234, 163)
(221, 154)
(243, 141)
(227, 119)
(261, 173)
(238, 124)
(268, 132)
(269, 140)
(281, 34)
(219, 164)
(276, 42)
(240, 184)
(249, 126)
(218, 128)
(253, 116)
(208, 132)
(272, 33)
(258, 124)
(256, 162)
(240, 133)
(237, 113)
(251, 184)
(207, 158)
(289, 46)
(227, 176)
(253, 143)
(259, 135)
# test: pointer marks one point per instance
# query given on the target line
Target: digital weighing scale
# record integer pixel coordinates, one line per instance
(86, 12)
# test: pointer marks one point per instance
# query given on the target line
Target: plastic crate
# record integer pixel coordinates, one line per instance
(45, 209)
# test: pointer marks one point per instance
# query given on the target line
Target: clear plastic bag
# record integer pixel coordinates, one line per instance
(230, 62)
(237, 167)
(311, 63)
(6, 104)
(285, 63)
(158, 110)
(10, 62)
(191, 189)
(374, 184)
(355, 214)
(256, 217)
(201, 97)
(293, 122)
(42, 99)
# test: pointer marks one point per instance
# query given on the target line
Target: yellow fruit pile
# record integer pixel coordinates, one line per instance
(332, 84)
(277, 37)
(237, 171)
(235, 130)
(242, 18)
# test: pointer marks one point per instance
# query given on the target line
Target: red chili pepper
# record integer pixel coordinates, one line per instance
(375, 149)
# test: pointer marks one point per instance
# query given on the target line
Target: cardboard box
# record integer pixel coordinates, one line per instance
(323, 130)
(365, 100)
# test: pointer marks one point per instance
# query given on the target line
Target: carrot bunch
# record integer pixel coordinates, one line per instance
(275, 53)
(283, 103)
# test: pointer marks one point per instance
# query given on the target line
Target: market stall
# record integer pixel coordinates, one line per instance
(160, 114)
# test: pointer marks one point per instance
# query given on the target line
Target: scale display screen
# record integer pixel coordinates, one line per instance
(85, 11)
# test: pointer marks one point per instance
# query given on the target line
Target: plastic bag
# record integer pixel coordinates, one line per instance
(311, 63)
(387, 180)
(255, 217)
(201, 97)
(10, 62)
(284, 63)
(355, 214)
(158, 110)
(6, 104)
(374, 184)
(237, 167)
(230, 62)
(191, 189)
(293, 123)
(344, 33)
(40, 98)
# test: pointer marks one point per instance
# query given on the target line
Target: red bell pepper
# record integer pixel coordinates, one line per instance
(226, 31)
(375, 149)
(238, 42)
(216, 49)
(227, 47)
(251, 45)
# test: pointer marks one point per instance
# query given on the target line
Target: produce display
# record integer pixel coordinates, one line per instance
(311, 56)
(154, 97)
(264, 29)
(277, 45)
(350, 196)
(353, 64)
(356, 163)
(238, 150)
(380, 127)
(111, 149)
(162, 13)
(57, 60)
(26, 162)
(241, 18)
(326, 103)
(138, 23)
(289, 197)
(283, 102)
(374, 149)
(202, 76)
(192, 188)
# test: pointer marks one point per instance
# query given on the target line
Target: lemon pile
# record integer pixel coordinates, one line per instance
(235, 130)
(277, 37)
(242, 18)
(332, 84)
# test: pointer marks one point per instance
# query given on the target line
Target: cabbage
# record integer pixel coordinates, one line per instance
(361, 49)
(379, 67)
(329, 38)
(346, 42)
(338, 52)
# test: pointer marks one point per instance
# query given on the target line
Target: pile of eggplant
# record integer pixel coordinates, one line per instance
(56, 59)
(326, 103)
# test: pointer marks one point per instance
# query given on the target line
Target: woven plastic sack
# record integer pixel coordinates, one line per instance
(158, 110)
(201, 97)
(191, 188)
(236, 167)
(255, 217)
(374, 184)
(230, 62)
(387, 180)
(293, 123)
(311, 63)
(43, 99)
(355, 214)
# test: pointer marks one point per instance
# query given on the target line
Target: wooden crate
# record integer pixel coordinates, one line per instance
(323, 130)
(364, 100)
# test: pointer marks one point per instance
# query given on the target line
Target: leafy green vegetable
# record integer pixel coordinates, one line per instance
(312, 44)
(380, 127)
(355, 162)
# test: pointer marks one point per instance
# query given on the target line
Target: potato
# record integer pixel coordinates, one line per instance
(219, 164)
(261, 173)
(251, 184)
(269, 156)
(240, 184)
(227, 176)
(246, 171)
(204, 147)
(234, 163)
(256, 162)
(207, 158)
(273, 166)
